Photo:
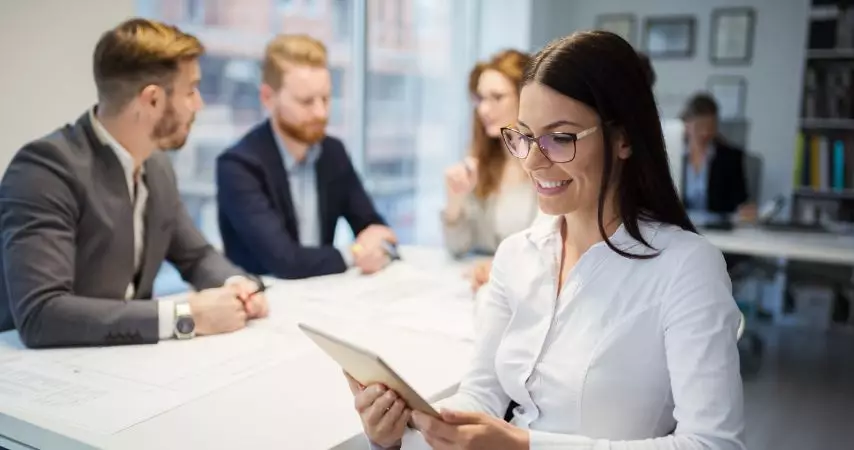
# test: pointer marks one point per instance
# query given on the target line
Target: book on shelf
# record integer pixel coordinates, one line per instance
(824, 162)
(831, 26)
(845, 28)
(829, 90)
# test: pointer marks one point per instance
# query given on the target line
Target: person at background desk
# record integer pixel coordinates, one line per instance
(613, 325)
(489, 195)
(89, 213)
(284, 185)
(713, 171)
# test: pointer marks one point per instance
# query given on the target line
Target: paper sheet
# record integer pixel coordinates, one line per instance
(446, 315)
(109, 389)
(106, 390)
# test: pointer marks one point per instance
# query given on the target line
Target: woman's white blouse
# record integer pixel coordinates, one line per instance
(633, 354)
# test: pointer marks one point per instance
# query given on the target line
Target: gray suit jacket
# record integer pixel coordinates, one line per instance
(66, 256)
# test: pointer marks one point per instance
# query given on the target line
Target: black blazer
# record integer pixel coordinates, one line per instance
(256, 213)
(727, 188)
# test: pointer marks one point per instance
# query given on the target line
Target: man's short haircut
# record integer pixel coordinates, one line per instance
(287, 50)
(701, 104)
(137, 53)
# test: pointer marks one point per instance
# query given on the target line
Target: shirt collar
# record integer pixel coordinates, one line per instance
(546, 231)
(122, 154)
(311, 156)
(710, 150)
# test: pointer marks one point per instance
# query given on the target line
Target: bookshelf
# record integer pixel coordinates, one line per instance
(810, 123)
(831, 54)
(824, 153)
(825, 194)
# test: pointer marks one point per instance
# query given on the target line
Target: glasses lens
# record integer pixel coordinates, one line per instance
(515, 142)
(558, 147)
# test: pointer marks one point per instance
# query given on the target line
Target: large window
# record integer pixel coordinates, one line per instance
(417, 65)
(412, 63)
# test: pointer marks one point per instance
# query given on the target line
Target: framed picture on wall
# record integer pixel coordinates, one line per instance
(732, 36)
(669, 37)
(730, 91)
(623, 25)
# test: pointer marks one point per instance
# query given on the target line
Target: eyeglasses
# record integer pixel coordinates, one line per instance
(556, 147)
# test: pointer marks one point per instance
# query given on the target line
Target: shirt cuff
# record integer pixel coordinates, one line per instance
(375, 446)
(166, 318)
(233, 279)
(347, 255)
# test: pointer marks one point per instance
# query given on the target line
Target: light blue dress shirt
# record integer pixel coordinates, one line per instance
(302, 180)
(697, 183)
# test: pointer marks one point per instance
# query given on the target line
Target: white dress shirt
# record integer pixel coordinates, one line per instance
(632, 354)
(138, 192)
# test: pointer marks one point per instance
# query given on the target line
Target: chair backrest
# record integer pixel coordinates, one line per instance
(753, 176)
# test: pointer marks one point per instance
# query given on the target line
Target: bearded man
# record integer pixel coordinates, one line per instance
(89, 212)
(284, 185)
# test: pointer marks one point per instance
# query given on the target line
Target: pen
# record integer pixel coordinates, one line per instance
(388, 247)
(391, 250)
(261, 286)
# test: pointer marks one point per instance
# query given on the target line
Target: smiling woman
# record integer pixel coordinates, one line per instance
(613, 325)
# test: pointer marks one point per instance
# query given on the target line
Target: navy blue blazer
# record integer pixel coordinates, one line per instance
(256, 213)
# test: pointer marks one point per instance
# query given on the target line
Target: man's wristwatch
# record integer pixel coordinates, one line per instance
(185, 326)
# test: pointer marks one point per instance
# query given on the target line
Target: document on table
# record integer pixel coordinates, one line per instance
(439, 313)
(108, 389)
(402, 294)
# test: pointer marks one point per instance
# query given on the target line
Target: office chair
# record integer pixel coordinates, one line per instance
(753, 175)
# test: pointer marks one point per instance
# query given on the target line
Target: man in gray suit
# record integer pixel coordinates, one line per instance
(89, 212)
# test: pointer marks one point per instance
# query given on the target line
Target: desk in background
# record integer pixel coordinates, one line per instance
(266, 386)
(783, 246)
(803, 246)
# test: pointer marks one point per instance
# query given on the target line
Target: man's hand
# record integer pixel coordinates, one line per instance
(470, 431)
(247, 291)
(217, 311)
(369, 254)
(375, 235)
(370, 259)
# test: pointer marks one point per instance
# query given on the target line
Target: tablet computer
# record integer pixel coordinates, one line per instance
(366, 367)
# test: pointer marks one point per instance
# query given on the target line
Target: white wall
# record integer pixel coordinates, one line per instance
(505, 24)
(774, 77)
(46, 48)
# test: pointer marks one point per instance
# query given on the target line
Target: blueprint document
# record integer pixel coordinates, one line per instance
(105, 390)
(108, 389)
(402, 295)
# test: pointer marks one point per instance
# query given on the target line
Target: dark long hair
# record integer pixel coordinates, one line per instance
(603, 71)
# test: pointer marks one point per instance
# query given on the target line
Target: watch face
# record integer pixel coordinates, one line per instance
(185, 325)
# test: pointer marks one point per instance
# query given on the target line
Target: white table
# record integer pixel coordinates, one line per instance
(802, 246)
(274, 389)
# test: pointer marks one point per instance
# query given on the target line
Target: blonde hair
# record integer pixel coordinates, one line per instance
(291, 49)
(138, 53)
